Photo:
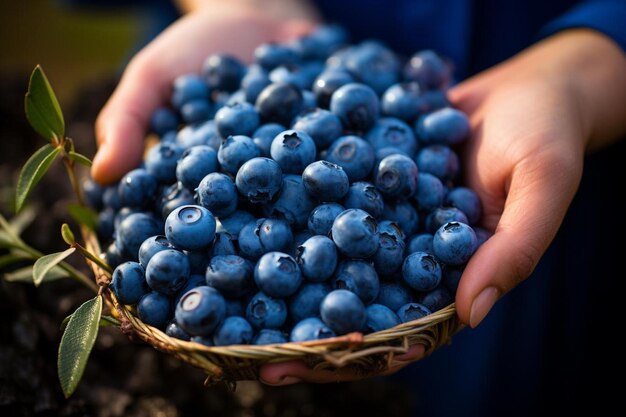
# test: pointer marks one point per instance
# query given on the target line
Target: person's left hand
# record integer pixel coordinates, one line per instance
(532, 118)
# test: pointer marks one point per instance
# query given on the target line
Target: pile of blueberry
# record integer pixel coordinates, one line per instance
(308, 195)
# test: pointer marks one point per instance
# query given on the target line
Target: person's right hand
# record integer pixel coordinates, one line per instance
(233, 27)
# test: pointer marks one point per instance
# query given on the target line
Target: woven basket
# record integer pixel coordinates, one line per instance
(366, 355)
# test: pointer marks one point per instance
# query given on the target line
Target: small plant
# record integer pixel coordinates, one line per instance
(81, 328)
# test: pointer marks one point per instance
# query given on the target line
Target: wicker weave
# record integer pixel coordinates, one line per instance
(367, 355)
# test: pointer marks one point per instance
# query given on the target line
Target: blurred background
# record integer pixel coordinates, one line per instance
(83, 50)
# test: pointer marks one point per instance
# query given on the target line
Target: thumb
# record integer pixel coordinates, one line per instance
(122, 123)
(541, 188)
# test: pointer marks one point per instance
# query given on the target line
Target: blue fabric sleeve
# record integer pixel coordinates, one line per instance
(605, 16)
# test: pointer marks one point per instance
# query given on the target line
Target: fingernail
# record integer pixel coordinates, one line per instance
(482, 304)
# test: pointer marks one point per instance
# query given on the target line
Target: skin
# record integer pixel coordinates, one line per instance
(533, 118)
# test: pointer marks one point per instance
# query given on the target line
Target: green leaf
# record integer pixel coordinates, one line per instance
(23, 219)
(42, 107)
(105, 321)
(44, 264)
(67, 234)
(80, 158)
(25, 275)
(77, 342)
(33, 171)
(11, 258)
(83, 215)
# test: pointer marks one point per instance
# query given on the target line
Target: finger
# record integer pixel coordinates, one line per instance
(540, 191)
(122, 123)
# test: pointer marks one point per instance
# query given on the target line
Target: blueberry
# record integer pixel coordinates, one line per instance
(300, 75)
(422, 242)
(454, 243)
(375, 65)
(306, 302)
(202, 134)
(403, 101)
(137, 188)
(310, 328)
(438, 160)
(114, 256)
(223, 244)
(235, 151)
(328, 82)
(482, 235)
(190, 227)
(298, 239)
(430, 192)
(393, 295)
(223, 72)
(354, 155)
(467, 201)
(421, 271)
(317, 258)
(196, 163)
(111, 198)
(390, 132)
(234, 307)
(412, 311)
(233, 331)
(216, 192)
(442, 215)
(277, 274)
(308, 101)
(293, 203)
(363, 195)
(269, 337)
(265, 312)
(264, 235)
(357, 106)
(200, 311)
(355, 233)
(264, 135)
(198, 261)
(436, 299)
(389, 255)
(396, 177)
(236, 119)
(121, 215)
(155, 309)
(451, 276)
(343, 311)
(323, 126)
(129, 283)
(428, 69)
(167, 271)
(93, 193)
(255, 80)
(380, 317)
(272, 55)
(358, 277)
(231, 275)
(196, 111)
(259, 180)
(173, 197)
(203, 340)
(403, 214)
(134, 230)
(161, 161)
(163, 120)
(328, 38)
(187, 88)
(151, 246)
(446, 126)
(391, 228)
(279, 103)
(325, 181)
(293, 150)
(234, 223)
(192, 282)
(174, 330)
(106, 222)
(322, 217)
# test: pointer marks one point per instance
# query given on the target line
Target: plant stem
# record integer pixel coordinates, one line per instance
(69, 167)
(93, 258)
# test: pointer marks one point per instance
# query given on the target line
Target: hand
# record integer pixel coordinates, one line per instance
(532, 119)
(234, 27)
